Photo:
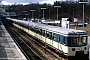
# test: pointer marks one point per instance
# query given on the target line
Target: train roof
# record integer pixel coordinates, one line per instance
(54, 29)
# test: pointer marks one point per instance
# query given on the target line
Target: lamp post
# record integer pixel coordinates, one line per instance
(73, 13)
(49, 14)
(57, 10)
(25, 13)
(83, 11)
(43, 11)
(32, 12)
(26, 16)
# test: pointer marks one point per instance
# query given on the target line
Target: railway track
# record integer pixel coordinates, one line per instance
(27, 50)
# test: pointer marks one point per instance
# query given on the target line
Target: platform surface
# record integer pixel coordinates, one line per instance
(8, 48)
(89, 45)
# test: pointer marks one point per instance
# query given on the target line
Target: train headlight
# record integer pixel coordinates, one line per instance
(73, 49)
(85, 48)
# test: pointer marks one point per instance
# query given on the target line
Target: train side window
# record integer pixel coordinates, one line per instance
(55, 37)
(43, 32)
(29, 28)
(36, 30)
(47, 34)
(40, 31)
(58, 38)
(33, 29)
(61, 39)
(50, 35)
(26, 27)
(64, 40)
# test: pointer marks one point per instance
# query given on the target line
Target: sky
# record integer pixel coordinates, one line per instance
(6, 2)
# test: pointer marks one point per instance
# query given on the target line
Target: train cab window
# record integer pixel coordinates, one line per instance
(78, 41)
(73, 41)
(84, 40)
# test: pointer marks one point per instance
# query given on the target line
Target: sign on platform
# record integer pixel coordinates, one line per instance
(65, 23)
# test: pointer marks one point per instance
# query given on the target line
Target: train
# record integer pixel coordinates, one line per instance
(69, 42)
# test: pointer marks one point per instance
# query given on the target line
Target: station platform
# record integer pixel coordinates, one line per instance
(89, 45)
(8, 48)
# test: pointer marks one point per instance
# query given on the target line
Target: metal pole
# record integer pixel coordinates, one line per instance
(49, 14)
(32, 14)
(18, 15)
(83, 16)
(73, 13)
(43, 13)
(83, 11)
(57, 13)
(25, 14)
(45, 41)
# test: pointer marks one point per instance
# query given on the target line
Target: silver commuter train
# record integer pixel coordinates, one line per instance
(69, 42)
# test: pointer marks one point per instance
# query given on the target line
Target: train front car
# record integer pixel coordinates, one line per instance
(77, 43)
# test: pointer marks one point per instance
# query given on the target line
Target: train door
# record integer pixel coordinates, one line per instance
(55, 41)
(52, 39)
(58, 41)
